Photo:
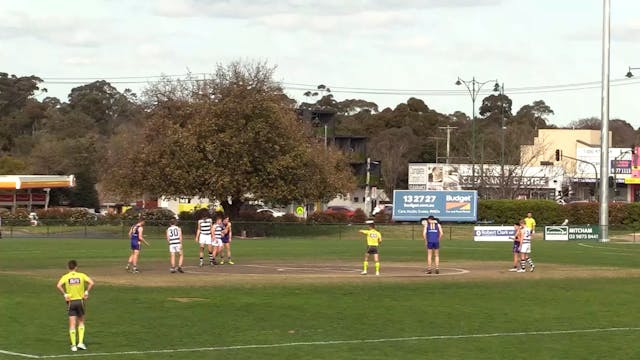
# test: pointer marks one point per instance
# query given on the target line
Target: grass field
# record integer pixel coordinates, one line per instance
(301, 297)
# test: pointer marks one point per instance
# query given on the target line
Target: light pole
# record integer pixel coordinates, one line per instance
(474, 86)
(503, 130)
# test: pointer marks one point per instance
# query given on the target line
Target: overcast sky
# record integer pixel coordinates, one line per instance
(413, 45)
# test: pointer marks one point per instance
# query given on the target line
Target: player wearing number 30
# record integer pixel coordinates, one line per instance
(174, 238)
(75, 287)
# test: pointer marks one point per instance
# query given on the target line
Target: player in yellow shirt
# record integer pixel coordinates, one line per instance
(530, 222)
(75, 287)
(374, 238)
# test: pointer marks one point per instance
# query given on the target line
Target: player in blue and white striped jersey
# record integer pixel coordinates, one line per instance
(525, 248)
(174, 238)
(203, 237)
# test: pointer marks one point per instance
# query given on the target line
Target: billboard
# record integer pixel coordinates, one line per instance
(414, 205)
(493, 233)
(572, 232)
(428, 176)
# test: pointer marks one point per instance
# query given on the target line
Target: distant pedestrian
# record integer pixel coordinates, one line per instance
(174, 238)
(75, 287)
(135, 236)
(374, 238)
(432, 233)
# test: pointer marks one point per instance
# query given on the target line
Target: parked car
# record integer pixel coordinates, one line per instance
(273, 212)
(341, 209)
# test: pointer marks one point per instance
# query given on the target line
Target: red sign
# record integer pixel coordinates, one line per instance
(22, 199)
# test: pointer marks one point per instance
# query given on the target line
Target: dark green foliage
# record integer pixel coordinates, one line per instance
(548, 212)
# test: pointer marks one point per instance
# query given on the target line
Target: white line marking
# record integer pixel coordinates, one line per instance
(605, 247)
(19, 354)
(338, 342)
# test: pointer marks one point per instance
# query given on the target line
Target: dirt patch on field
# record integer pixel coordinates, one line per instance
(340, 272)
(256, 273)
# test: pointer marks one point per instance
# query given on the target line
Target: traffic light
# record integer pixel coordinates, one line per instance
(558, 154)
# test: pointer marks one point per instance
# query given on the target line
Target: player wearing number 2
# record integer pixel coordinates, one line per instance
(75, 287)
(174, 238)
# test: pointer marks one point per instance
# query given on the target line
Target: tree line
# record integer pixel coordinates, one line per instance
(236, 135)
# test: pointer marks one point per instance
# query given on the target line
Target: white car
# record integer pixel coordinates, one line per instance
(274, 213)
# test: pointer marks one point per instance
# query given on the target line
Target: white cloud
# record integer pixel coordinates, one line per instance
(416, 42)
(57, 29)
(260, 8)
(365, 22)
(79, 61)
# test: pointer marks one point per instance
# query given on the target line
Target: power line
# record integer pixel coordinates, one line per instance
(125, 80)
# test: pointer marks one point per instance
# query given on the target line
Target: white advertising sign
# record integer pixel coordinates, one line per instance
(493, 233)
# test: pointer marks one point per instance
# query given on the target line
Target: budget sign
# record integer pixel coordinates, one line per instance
(414, 205)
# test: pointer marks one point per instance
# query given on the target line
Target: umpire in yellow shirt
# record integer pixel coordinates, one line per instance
(530, 222)
(374, 238)
(75, 287)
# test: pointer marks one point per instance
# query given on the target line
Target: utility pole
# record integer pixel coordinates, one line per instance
(448, 129)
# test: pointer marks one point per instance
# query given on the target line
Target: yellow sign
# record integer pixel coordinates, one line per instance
(299, 211)
(632, 180)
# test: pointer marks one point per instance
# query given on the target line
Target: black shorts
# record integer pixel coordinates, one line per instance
(372, 249)
(76, 308)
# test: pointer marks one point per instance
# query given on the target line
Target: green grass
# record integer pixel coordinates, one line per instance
(134, 318)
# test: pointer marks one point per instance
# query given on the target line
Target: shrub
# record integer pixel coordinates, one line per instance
(154, 216)
(19, 217)
(288, 218)
(359, 216)
(382, 218)
(328, 218)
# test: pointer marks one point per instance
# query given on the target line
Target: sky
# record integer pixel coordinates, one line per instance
(379, 50)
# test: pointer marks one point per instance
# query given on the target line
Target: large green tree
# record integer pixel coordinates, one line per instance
(230, 137)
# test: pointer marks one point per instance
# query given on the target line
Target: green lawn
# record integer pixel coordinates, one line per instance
(571, 318)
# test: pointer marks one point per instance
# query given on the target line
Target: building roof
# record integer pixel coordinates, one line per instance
(17, 182)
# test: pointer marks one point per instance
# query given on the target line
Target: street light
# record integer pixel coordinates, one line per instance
(474, 86)
(629, 73)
